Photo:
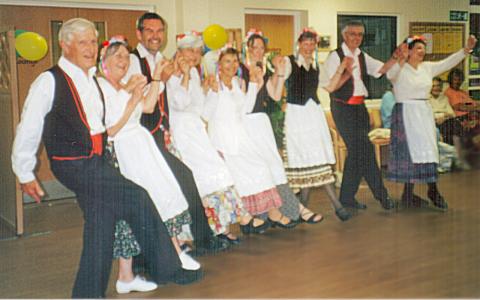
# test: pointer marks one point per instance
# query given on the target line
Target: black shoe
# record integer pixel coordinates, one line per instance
(289, 225)
(437, 200)
(229, 240)
(343, 214)
(185, 277)
(250, 228)
(355, 205)
(413, 201)
(387, 203)
(211, 246)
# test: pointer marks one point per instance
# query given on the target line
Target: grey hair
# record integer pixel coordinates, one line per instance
(352, 23)
(75, 25)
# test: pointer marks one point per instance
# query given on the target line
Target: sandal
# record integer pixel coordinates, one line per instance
(251, 228)
(230, 238)
(313, 217)
(278, 223)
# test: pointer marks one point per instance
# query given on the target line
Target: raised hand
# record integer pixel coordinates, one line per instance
(183, 65)
(212, 83)
(471, 42)
(159, 67)
(137, 94)
(256, 75)
(167, 71)
(133, 82)
(347, 65)
(279, 64)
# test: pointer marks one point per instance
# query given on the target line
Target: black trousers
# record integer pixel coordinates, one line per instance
(105, 196)
(353, 123)
(200, 229)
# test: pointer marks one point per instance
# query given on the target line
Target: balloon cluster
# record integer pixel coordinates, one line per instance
(30, 45)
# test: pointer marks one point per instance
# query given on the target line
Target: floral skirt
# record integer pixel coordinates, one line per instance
(400, 165)
(223, 208)
(125, 244)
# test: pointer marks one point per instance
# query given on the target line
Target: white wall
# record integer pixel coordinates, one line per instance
(322, 14)
(182, 15)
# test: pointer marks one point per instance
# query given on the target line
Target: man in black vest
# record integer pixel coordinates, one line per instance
(352, 119)
(150, 33)
(64, 107)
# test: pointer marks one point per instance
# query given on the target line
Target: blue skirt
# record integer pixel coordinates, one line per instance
(400, 165)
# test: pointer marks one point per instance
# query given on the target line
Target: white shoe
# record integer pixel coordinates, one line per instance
(188, 263)
(138, 284)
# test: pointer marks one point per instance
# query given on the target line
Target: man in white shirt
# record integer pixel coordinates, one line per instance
(151, 34)
(352, 119)
(64, 108)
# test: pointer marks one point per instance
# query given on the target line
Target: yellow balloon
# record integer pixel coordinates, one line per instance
(31, 46)
(214, 36)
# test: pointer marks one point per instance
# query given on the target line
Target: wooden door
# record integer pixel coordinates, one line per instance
(46, 21)
(11, 204)
(278, 29)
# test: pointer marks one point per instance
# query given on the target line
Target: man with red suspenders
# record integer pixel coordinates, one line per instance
(352, 120)
(64, 109)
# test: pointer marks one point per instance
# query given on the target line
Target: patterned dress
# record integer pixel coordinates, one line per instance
(222, 203)
(413, 148)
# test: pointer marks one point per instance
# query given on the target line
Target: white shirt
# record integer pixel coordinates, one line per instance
(135, 67)
(39, 102)
(182, 100)
(414, 84)
(373, 66)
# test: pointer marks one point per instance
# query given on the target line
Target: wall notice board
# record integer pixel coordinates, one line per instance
(443, 39)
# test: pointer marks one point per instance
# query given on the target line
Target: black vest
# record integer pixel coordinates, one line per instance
(302, 84)
(66, 133)
(151, 121)
(263, 99)
(346, 91)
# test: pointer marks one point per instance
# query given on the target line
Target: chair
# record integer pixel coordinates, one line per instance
(378, 143)
(340, 149)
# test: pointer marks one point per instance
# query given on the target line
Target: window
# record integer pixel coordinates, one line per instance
(379, 42)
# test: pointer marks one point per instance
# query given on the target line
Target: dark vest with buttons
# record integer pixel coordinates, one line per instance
(346, 91)
(302, 84)
(154, 121)
(263, 101)
(66, 133)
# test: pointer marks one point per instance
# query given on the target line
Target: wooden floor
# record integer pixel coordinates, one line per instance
(409, 253)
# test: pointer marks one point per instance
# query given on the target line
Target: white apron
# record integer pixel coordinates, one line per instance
(308, 138)
(420, 131)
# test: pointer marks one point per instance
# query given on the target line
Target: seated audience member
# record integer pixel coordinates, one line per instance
(460, 130)
(388, 101)
(443, 114)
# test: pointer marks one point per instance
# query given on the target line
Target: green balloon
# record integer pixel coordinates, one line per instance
(17, 33)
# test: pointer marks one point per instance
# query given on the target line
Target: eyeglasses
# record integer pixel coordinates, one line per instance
(356, 34)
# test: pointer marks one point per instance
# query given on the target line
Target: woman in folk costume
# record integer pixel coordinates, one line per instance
(139, 159)
(413, 148)
(226, 106)
(258, 123)
(223, 205)
(308, 149)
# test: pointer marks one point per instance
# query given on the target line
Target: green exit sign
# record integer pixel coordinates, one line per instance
(458, 15)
